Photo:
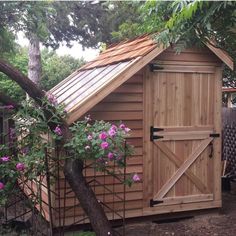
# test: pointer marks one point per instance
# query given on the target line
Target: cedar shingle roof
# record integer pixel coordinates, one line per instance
(123, 51)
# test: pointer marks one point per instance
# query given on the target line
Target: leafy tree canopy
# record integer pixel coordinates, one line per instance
(185, 22)
(55, 68)
(54, 22)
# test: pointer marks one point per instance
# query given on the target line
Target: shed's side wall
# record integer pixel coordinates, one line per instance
(124, 104)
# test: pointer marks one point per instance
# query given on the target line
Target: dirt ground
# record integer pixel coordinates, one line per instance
(218, 223)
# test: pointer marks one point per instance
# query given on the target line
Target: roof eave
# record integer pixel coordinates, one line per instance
(222, 55)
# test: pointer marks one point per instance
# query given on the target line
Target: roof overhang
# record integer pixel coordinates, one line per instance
(222, 55)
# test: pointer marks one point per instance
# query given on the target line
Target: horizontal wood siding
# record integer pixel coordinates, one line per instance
(39, 192)
(124, 104)
(195, 55)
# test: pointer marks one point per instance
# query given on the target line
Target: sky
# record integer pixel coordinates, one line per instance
(76, 51)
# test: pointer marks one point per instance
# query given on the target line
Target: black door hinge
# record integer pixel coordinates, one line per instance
(152, 136)
(154, 202)
(214, 135)
(154, 67)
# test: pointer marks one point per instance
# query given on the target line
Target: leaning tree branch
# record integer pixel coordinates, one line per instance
(73, 167)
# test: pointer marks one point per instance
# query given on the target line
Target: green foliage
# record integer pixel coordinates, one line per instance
(20, 60)
(7, 43)
(57, 21)
(87, 234)
(126, 31)
(56, 68)
(209, 21)
(125, 19)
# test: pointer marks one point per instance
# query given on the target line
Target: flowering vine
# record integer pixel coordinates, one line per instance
(99, 141)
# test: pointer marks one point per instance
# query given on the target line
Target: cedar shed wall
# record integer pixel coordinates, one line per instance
(177, 173)
(124, 104)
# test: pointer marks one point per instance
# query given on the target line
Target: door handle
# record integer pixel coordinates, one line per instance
(211, 150)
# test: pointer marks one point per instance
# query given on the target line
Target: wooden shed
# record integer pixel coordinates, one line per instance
(172, 103)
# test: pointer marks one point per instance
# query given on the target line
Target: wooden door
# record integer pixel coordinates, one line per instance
(182, 148)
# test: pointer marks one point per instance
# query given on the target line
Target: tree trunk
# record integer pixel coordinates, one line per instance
(34, 65)
(73, 167)
(73, 173)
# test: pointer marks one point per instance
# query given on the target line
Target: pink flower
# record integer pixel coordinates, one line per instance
(112, 132)
(51, 98)
(5, 159)
(122, 126)
(58, 131)
(87, 147)
(136, 178)
(20, 166)
(104, 145)
(90, 137)
(110, 155)
(2, 185)
(103, 136)
(9, 107)
(127, 129)
(114, 127)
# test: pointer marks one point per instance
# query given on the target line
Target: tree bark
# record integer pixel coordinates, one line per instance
(73, 167)
(73, 171)
(34, 65)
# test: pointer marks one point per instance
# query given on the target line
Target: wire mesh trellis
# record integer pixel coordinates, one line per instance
(68, 211)
(229, 148)
(48, 206)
